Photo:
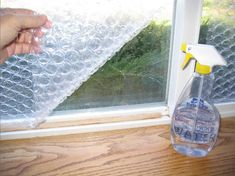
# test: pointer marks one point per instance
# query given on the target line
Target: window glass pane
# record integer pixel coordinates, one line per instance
(135, 74)
(218, 29)
(84, 36)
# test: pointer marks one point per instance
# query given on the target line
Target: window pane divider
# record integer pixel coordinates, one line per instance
(186, 27)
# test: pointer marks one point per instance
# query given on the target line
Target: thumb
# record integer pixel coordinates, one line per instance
(31, 21)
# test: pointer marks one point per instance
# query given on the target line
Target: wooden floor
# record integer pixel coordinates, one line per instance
(143, 151)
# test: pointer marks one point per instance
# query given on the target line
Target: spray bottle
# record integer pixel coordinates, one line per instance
(195, 121)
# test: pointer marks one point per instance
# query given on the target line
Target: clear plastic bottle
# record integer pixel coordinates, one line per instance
(195, 121)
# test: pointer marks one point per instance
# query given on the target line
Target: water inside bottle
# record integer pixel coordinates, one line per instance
(195, 127)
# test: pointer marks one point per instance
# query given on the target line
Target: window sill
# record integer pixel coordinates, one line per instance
(140, 151)
(95, 120)
(91, 120)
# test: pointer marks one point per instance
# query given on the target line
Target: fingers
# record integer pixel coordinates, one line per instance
(27, 47)
(48, 24)
(22, 48)
(19, 48)
(25, 37)
(17, 11)
(21, 29)
(3, 56)
(30, 36)
(31, 21)
(38, 32)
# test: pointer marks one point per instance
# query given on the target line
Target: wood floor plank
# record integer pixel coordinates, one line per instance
(135, 152)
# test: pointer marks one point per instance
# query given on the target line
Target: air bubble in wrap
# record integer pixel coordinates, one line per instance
(85, 34)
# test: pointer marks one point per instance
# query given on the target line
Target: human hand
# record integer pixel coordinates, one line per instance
(18, 29)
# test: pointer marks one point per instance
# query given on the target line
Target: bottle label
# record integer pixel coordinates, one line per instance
(195, 121)
(194, 103)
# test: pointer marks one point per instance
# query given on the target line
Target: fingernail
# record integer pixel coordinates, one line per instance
(48, 24)
(40, 34)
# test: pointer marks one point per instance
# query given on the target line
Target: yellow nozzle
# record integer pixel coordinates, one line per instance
(202, 69)
(183, 47)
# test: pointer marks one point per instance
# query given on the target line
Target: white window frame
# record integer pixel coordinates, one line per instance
(185, 28)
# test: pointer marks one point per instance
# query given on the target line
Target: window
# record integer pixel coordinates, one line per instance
(81, 41)
(142, 69)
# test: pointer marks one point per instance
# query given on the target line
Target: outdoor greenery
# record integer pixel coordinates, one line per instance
(218, 13)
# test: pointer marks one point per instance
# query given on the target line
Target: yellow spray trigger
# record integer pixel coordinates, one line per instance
(199, 68)
(203, 69)
(188, 56)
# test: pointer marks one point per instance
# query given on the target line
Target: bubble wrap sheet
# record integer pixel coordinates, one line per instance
(222, 35)
(224, 86)
(84, 36)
